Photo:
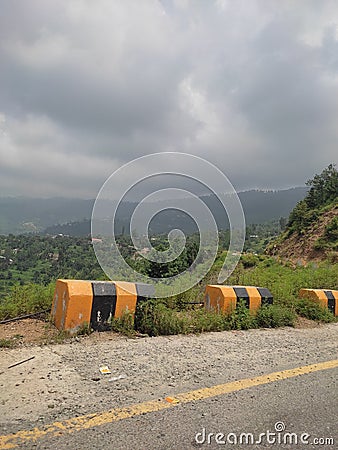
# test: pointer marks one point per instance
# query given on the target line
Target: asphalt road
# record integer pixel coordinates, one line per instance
(306, 404)
(257, 392)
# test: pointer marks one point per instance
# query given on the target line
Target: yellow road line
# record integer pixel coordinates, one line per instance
(113, 415)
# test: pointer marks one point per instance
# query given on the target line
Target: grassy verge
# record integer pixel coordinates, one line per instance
(176, 315)
(154, 318)
(27, 299)
(313, 311)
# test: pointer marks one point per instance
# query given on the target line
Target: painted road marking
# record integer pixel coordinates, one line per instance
(94, 420)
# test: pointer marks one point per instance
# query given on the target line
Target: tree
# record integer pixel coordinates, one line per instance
(323, 192)
(282, 223)
(324, 188)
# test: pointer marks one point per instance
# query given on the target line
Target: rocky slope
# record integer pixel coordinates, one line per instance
(312, 244)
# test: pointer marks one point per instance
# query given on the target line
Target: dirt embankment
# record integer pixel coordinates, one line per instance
(302, 247)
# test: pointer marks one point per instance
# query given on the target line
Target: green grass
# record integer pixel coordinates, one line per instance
(173, 315)
(124, 324)
(84, 330)
(26, 299)
(155, 318)
(313, 311)
(176, 315)
(6, 343)
(285, 281)
(273, 316)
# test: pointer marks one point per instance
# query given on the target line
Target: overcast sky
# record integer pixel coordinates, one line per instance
(86, 86)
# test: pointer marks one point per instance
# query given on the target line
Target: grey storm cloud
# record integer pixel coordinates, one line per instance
(88, 86)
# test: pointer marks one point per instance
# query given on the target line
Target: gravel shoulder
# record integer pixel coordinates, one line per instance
(64, 380)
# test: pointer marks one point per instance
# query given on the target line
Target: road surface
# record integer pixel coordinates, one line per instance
(248, 389)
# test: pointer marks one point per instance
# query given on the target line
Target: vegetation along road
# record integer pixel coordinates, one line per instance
(59, 399)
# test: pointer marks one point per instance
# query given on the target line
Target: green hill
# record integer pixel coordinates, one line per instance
(312, 230)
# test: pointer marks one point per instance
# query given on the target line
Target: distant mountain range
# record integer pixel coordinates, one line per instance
(72, 216)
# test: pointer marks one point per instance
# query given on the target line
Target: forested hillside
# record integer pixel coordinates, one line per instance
(312, 229)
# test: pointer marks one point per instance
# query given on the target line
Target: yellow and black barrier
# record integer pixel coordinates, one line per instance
(225, 298)
(79, 302)
(327, 298)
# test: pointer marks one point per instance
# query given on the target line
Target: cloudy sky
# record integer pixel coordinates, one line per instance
(87, 86)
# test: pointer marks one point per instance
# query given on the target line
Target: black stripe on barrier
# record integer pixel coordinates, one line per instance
(242, 293)
(331, 301)
(266, 296)
(103, 305)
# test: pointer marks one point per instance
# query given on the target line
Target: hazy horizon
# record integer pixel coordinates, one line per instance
(93, 199)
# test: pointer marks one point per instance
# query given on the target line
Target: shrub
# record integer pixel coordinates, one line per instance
(6, 343)
(320, 244)
(124, 324)
(154, 318)
(249, 260)
(331, 230)
(332, 257)
(84, 330)
(312, 310)
(272, 316)
(27, 299)
(165, 321)
(203, 320)
(240, 318)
